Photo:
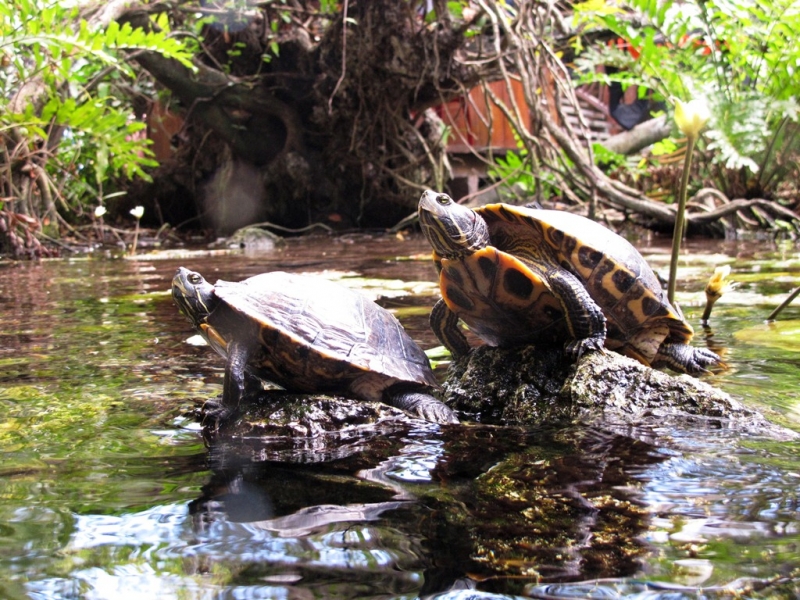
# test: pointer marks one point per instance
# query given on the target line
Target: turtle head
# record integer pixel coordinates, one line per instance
(453, 230)
(193, 295)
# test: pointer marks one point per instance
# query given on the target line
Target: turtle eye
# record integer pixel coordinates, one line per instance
(195, 278)
(443, 199)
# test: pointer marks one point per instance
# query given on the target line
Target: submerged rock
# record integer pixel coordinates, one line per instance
(530, 386)
(253, 238)
(565, 503)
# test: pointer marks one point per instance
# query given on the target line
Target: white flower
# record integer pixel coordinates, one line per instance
(138, 212)
(718, 284)
(691, 117)
(99, 211)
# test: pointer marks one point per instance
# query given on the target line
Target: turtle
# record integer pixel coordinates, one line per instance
(308, 334)
(609, 295)
(504, 299)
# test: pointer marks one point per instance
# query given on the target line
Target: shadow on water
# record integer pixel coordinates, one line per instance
(107, 489)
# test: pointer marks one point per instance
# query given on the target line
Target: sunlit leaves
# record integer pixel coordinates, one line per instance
(740, 54)
(52, 35)
(593, 11)
(604, 156)
(62, 76)
(108, 133)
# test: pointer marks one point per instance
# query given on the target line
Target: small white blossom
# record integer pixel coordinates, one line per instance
(718, 284)
(138, 212)
(691, 117)
(99, 211)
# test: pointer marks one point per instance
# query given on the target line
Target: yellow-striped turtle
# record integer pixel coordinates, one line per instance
(607, 291)
(308, 334)
(505, 299)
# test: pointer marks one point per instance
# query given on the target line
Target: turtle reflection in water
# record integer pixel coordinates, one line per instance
(517, 275)
(308, 334)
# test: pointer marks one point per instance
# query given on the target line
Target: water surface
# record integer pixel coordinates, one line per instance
(107, 488)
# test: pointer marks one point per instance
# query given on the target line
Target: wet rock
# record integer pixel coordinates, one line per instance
(284, 414)
(306, 427)
(530, 386)
(253, 238)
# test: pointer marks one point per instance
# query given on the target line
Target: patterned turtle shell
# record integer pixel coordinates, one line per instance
(519, 275)
(640, 321)
(505, 299)
(308, 334)
(314, 334)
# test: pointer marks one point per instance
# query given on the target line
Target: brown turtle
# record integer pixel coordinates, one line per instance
(308, 334)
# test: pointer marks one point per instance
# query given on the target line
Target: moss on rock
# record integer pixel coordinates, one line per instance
(530, 386)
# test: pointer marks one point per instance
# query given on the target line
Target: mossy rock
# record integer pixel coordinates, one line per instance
(534, 387)
(254, 238)
(518, 387)
(276, 413)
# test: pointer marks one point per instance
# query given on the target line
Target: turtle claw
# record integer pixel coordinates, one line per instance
(577, 348)
(420, 404)
(437, 413)
(215, 413)
(703, 360)
(687, 359)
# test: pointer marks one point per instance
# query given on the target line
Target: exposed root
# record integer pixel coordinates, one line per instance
(18, 236)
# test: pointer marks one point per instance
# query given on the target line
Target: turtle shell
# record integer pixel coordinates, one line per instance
(315, 335)
(502, 299)
(619, 280)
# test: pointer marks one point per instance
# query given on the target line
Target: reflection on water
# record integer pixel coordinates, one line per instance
(259, 527)
(107, 489)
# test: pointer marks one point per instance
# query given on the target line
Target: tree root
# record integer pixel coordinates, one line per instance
(741, 213)
(18, 236)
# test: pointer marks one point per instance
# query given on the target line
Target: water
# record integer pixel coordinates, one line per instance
(108, 490)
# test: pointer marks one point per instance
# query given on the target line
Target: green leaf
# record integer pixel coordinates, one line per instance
(604, 156)
(111, 33)
(101, 161)
(664, 147)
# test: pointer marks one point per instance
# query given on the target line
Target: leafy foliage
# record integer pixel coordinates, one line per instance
(519, 180)
(61, 111)
(740, 55)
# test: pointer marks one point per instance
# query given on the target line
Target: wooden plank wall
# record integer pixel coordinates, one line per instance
(478, 124)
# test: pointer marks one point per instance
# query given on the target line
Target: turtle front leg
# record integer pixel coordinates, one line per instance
(684, 358)
(585, 319)
(235, 386)
(444, 323)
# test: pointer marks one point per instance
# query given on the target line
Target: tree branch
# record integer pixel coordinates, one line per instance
(641, 136)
